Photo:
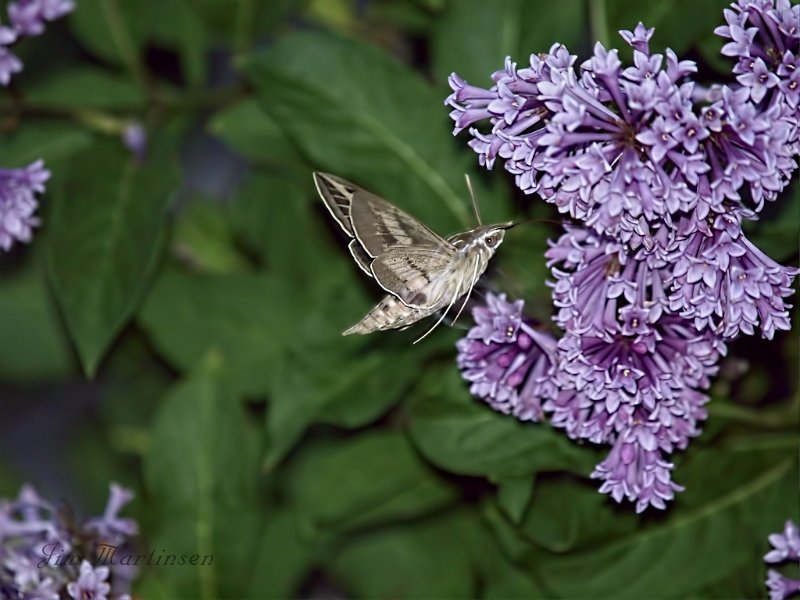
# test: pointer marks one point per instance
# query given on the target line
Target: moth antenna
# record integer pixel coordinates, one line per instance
(472, 197)
(444, 314)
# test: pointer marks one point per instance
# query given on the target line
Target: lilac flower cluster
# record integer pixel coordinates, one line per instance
(45, 552)
(18, 187)
(28, 18)
(657, 274)
(785, 547)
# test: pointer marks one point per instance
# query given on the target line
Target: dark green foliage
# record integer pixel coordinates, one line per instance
(307, 463)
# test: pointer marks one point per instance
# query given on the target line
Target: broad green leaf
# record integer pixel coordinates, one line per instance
(679, 24)
(734, 498)
(459, 433)
(372, 478)
(83, 87)
(32, 345)
(176, 24)
(106, 233)
(204, 238)
(276, 220)
(473, 38)
(47, 140)
(514, 495)
(356, 112)
(247, 318)
(566, 513)
(427, 559)
(252, 132)
(778, 233)
(113, 30)
(283, 557)
(201, 473)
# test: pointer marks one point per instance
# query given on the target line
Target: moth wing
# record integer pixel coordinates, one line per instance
(408, 273)
(379, 225)
(337, 194)
(362, 259)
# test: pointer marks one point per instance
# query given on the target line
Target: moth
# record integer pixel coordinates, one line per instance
(421, 272)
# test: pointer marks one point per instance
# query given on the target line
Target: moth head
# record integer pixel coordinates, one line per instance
(492, 236)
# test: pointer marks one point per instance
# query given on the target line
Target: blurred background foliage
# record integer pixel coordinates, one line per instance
(174, 325)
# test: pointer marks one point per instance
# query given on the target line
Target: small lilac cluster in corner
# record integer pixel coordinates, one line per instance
(655, 275)
(785, 547)
(18, 187)
(46, 553)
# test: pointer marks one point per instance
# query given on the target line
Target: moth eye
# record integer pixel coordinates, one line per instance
(490, 241)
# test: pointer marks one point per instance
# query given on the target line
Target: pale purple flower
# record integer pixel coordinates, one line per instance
(110, 527)
(40, 548)
(781, 587)
(91, 583)
(29, 16)
(507, 362)
(764, 37)
(134, 137)
(723, 282)
(785, 545)
(9, 64)
(18, 189)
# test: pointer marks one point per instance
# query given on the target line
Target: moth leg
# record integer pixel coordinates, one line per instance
(444, 314)
(469, 292)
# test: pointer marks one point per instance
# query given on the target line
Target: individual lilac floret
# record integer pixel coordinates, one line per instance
(781, 587)
(18, 189)
(507, 362)
(91, 583)
(110, 527)
(765, 38)
(785, 546)
(9, 64)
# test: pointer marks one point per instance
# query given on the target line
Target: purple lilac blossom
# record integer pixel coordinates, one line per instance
(41, 548)
(27, 19)
(785, 547)
(504, 351)
(18, 203)
(660, 174)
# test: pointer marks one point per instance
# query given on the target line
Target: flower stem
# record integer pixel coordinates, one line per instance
(598, 21)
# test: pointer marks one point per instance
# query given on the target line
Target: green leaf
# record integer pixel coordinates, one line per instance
(356, 112)
(777, 234)
(176, 24)
(106, 232)
(428, 559)
(566, 513)
(46, 140)
(113, 30)
(459, 433)
(32, 347)
(83, 87)
(247, 318)
(252, 132)
(283, 558)
(734, 498)
(373, 478)
(204, 238)
(201, 473)
(473, 38)
(680, 24)
(514, 495)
